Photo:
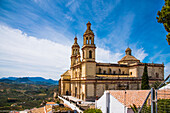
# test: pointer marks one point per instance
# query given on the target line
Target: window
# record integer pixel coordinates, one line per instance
(157, 75)
(76, 51)
(123, 72)
(90, 54)
(130, 73)
(104, 72)
(119, 71)
(90, 41)
(86, 40)
(109, 71)
(100, 70)
(73, 51)
(114, 72)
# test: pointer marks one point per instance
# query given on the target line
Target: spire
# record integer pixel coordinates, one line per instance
(88, 30)
(88, 25)
(75, 40)
(75, 43)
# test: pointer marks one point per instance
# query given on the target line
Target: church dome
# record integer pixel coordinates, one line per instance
(128, 58)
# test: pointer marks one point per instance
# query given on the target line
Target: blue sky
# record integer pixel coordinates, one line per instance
(36, 35)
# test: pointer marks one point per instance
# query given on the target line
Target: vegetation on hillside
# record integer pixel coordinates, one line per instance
(24, 96)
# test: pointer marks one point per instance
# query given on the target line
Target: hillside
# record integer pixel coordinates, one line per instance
(20, 96)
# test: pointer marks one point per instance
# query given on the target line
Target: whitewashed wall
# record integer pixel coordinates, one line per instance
(115, 105)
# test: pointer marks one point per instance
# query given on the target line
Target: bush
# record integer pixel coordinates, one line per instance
(93, 111)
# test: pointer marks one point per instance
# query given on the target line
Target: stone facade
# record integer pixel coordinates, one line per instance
(88, 79)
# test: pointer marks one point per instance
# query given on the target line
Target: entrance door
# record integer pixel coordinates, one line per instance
(75, 91)
(67, 93)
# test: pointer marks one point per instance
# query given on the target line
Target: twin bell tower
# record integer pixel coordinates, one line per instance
(88, 52)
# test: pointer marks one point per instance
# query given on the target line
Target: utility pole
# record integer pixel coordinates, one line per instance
(153, 100)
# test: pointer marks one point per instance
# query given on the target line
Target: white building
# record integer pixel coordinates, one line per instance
(119, 101)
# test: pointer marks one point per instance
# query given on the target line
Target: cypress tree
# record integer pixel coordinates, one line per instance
(145, 79)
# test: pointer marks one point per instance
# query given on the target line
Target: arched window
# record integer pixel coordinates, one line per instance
(114, 72)
(90, 40)
(157, 75)
(123, 72)
(86, 40)
(119, 71)
(130, 73)
(109, 71)
(104, 72)
(73, 51)
(100, 70)
(76, 51)
(90, 54)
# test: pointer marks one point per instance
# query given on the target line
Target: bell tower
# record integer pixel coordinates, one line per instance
(88, 49)
(75, 56)
(88, 54)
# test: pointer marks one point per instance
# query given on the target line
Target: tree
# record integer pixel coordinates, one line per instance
(93, 111)
(145, 79)
(164, 17)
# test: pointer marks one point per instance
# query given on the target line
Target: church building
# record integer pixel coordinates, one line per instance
(87, 79)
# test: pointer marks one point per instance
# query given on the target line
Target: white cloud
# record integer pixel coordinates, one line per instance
(101, 9)
(73, 5)
(106, 56)
(22, 55)
(140, 54)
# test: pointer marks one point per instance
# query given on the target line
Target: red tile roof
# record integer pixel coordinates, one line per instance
(136, 97)
(131, 97)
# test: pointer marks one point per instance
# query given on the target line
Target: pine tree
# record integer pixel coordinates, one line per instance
(164, 17)
(145, 79)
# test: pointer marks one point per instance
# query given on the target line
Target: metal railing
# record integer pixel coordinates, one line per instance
(157, 100)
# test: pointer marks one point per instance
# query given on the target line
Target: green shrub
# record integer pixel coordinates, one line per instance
(93, 111)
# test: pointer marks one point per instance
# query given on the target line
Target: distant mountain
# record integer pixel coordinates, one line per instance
(29, 80)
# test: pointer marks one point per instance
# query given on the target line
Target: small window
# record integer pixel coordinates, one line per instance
(100, 70)
(86, 40)
(114, 72)
(157, 75)
(110, 71)
(90, 40)
(123, 72)
(73, 51)
(119, 71)
(90, 54)
(130, 73)
(104, 72)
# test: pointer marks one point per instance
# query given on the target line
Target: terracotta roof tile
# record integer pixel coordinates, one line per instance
(129, 58)
(137, 97)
